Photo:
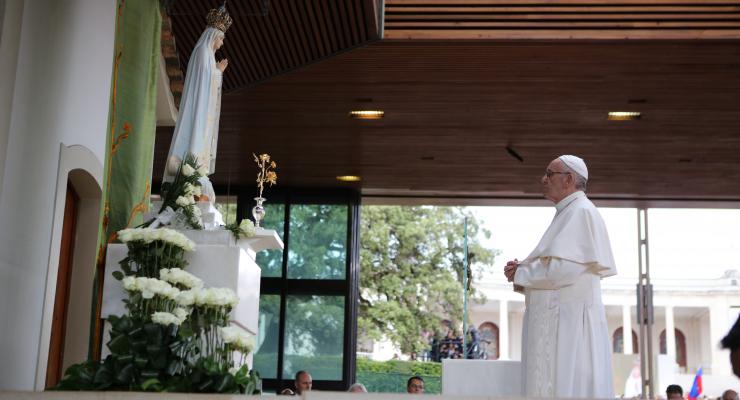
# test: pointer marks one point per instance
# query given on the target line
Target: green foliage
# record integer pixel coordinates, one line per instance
(318, 241)
(141, 351)
(147, 354)
(315, 323)
(146, 259)
(271, 261)
(411, 269)
(409, 368)
(171, 191)
(227, 210)
(391, 376)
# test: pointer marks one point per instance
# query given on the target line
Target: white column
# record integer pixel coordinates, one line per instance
(626, 329)
(670, 334)
(503, 330)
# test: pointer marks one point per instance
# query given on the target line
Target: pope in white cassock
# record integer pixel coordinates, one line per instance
(565, 339)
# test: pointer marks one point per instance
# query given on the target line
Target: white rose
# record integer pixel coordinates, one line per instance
(246, 226)
(187, 170)
(202, 170)
(197, 191)
(129, 283)
(165, 318)
(181, 314)
(182, 201)
(187, 297)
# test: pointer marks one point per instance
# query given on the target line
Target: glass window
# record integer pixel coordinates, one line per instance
(694, 263)
(227, 207)
(318, 242)
(314, 336)
(271, 261)
(266, 351)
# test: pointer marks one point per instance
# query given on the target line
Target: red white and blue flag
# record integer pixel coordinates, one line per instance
(696, 388)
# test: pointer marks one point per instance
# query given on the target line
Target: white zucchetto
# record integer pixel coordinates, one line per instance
(576, 164)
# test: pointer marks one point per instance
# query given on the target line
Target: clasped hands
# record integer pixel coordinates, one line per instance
(510, 269)
(221, 65)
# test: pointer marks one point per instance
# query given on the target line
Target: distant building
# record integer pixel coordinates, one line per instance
(691, 316)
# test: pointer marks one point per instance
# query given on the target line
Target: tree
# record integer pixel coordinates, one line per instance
(411, 269)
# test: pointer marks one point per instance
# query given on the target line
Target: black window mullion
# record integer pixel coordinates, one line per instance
(283, 293)
(352, 290)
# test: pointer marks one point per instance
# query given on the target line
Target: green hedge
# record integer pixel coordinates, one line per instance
(391, 376)
(324, 367)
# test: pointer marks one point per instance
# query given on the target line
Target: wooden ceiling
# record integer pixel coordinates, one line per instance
(561, 19)
(453, 106)
(270, 37)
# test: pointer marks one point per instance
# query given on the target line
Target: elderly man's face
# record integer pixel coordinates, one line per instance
(303, 383)
(557, 183)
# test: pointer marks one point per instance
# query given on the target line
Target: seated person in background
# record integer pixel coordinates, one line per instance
(303, 383)
(415, 385)
(674, 392)
(357, 388)
(732, 342)
(729, 394)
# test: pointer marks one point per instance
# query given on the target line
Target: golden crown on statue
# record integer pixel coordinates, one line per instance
(219, 18)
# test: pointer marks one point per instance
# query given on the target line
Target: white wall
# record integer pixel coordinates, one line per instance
(60, 95)
(10, 27)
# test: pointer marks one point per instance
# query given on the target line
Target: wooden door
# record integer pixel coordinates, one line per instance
(61, 299)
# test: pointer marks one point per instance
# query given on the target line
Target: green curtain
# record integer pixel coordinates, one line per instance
(129, 148)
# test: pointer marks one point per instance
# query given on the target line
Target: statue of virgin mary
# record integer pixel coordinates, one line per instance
(196, 129)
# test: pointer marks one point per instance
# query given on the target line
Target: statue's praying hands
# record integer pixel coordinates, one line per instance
(221, 65)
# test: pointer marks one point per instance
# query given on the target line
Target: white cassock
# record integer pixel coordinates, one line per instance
(565, 339)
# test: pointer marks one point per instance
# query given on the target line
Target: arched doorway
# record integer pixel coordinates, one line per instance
(67, 314)
(489, 338)
(680, 346)
(618, 342)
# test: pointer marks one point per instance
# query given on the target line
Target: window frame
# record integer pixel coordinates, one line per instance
(284, 286)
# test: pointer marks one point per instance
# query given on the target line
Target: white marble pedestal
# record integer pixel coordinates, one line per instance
(490, 378)
(218, 260)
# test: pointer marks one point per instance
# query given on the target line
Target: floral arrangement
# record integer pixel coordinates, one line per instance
(176, 335)
(266, 172)
(245, 229)
(179, 196)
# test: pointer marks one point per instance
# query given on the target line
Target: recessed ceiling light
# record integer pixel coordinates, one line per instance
(623, 115)
(348, 178)
(367, 114)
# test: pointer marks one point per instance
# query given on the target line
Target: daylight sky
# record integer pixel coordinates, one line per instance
(684, 243)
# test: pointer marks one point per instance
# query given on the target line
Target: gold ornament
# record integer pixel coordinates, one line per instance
(219, 18)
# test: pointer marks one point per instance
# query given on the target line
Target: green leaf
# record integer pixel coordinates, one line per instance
(119, 344)
(126, 358)
(153, 333)
(140, 362)
(149, 374)
(103, 378)
(225, 382)
(172, 367)
(126, 373)
(118, 275)
(205, 385)
(152, 383)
